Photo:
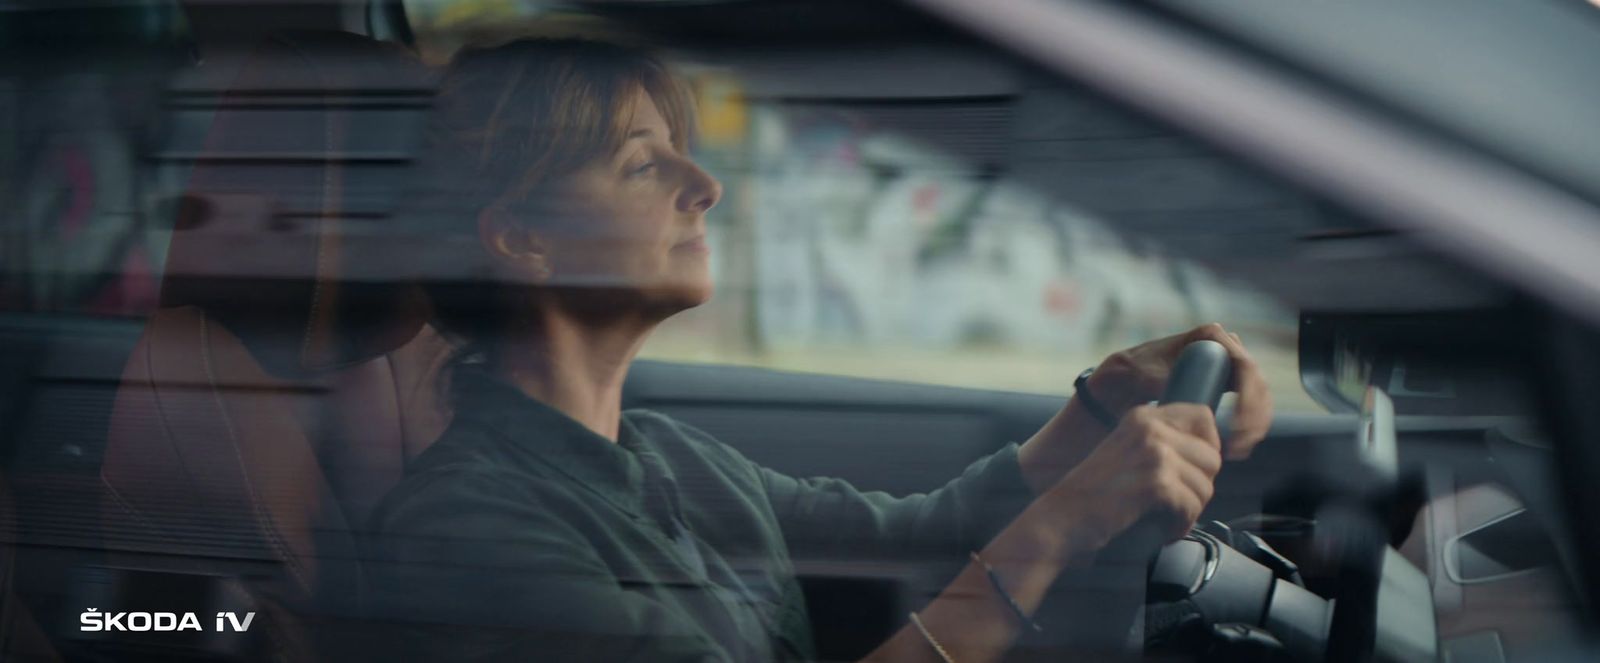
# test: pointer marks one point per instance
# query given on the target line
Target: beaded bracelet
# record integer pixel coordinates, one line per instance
(943, 655)
(994, 579)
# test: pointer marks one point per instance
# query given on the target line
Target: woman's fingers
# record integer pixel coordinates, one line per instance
(1252, 414)
(1192, 419)
(1181, 497)
(1160, 460)
(1197, 480)
(1190, 462)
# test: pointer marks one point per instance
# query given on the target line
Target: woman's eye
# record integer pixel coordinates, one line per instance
(641, 169)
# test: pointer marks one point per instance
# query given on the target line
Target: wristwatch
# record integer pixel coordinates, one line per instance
(1081, 388)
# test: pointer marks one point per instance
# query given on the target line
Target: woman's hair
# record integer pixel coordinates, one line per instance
(509, 123)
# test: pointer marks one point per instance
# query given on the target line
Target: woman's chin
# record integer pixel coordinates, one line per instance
(693, 288)
(677, 297)
(694, 294)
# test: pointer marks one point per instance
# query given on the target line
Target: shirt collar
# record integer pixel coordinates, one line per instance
(545, 440)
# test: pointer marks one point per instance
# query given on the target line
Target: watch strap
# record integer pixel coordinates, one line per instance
(1095, 409)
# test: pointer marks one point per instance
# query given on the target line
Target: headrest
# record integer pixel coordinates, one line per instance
(280, 234)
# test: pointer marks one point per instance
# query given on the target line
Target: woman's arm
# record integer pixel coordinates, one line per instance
(969, 618)
(1159, 460)
(1060, 445)
(826, 518)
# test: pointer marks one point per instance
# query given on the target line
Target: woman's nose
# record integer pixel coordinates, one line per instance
(700, 191)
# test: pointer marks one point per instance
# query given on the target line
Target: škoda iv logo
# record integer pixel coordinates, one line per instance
(93, 620)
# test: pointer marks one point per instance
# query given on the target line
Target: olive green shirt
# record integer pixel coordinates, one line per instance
(523, 535)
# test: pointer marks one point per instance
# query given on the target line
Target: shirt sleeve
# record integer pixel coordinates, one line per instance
(477, 569)
(829, 518)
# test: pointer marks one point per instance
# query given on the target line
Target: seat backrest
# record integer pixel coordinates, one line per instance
(288, 375)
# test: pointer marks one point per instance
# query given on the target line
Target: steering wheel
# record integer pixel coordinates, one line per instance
(1229, 584)
(1201, 376)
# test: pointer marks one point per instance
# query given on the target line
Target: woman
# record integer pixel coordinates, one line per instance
(551, 525)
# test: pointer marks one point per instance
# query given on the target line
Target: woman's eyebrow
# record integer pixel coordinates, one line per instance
(646, 132)
(640, 134)
(633, 134)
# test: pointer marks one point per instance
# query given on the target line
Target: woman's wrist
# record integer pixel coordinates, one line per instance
(1075, 432)
(1115, 387)
(1063, 442)
(1082, 424)
(1046, 532)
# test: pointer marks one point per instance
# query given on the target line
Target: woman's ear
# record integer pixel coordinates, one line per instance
(512, 245)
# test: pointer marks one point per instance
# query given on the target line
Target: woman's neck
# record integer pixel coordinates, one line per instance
(575, 365)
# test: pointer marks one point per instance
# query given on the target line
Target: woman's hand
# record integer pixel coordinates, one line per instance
(1160, 461)
(1138, 374)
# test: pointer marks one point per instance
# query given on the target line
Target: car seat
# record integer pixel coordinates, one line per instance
(288, 373)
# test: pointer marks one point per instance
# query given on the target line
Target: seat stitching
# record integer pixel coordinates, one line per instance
(125, 504)
(400, 407)
(271, 531)
(167, 435)
(322, 249)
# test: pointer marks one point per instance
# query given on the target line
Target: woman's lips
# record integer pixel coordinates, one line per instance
(695, 244)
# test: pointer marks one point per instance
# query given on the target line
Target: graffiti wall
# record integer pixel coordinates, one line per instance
(865, 236)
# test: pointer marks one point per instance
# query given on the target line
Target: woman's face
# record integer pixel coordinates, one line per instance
(634, 221)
